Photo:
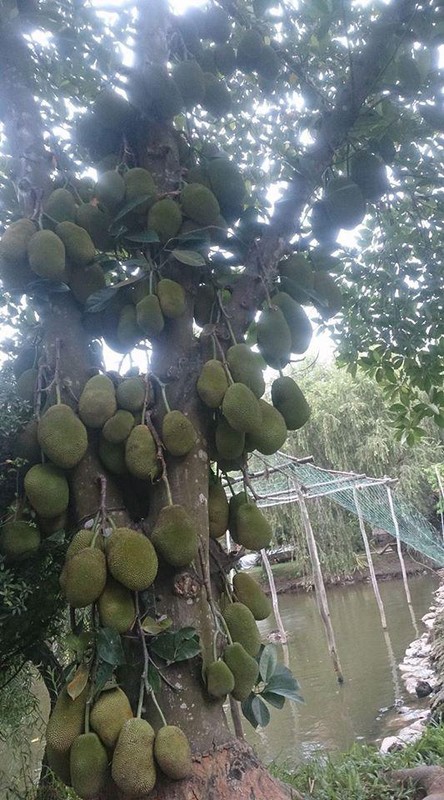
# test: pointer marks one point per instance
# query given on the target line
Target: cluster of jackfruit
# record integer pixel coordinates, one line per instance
(306, 284)
(118, 749)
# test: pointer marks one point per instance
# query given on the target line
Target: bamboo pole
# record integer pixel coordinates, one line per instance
(321, 594)
(274, 598)
(441, 498)
(401, 560)
(370, 560)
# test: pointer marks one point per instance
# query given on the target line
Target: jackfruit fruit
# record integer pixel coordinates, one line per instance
(220, 679)
(245, 368)
(217, 509)
(62, 436)
(88, 761)
(252, 529)
(59, 764)
(27, 385)
(189, 78)
(369, 173)
(15, 276)
(174, 536)
(225, 59)
(172, 752)
(236, 500)
(82, 539)
(240, 408)
(271, 434)
(215, 25)
(108, 715)
(171, 298)
(141, 453)
(230, 444)
(19, 540)
(248, 592)
(128, 331)
(116, 606)
(84, 577)
(212, 383)
(26, 445)
(149, 316)
(110, 189)
(139, 183)
(46, 253)
(112, 456)
(245, 670)
(217, 98)
(329, 297)
(117, 428)
(268, 64)
(97, 402)
(297, 277)
(205, 57)
(248, 51)
(322, 226)
(113, 109)
(165, 217)
(131, 393)
(66, 721)
(79, 246)
(178, 433)
(47, 490)
(199, 203)
(345, 203)
(227, 184)
(15, 240)
(189, 25)
(290, 401)
(204, 304)
(242, 627)
(274, 337)
(133, 768)
(131, 559)
(96, 222)
(60, 206)
(86, 281)
(296, 319)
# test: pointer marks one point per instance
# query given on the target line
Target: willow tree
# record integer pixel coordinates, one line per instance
(173, 251)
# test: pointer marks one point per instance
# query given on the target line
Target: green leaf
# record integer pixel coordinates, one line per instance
(144, 237)
(276, 700)
(104, 674)
(98, 301)
(255, 711)
(156, 626)
(109, 647)
(138, 201)
(267, 662)
(190, 257)
(282, 682)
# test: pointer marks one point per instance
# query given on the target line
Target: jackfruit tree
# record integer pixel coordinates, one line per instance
(173, 189)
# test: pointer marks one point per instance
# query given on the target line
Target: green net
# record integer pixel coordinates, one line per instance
(275, 480)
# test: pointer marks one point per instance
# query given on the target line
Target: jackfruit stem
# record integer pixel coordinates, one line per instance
(145, 686)
(145, 399)
(224, 361)
(57, 371)
(225, 315)
(164, 397)
(229, 483)
(168, 489)
(248, 483)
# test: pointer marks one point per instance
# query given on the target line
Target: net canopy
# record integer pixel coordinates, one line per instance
(278, 480)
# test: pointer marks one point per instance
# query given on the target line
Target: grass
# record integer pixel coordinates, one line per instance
(363, 772)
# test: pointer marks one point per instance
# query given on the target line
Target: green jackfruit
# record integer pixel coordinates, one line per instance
(110, 189)
(131, 559)
(108, 715)
(270, 434)
(242, 627)
(268, 64)
(26, 446)
(225, 59)
(274, 337)
(19, 540)
(86, 281)
(220, 679)
(297, 277)
(59, 206)
(15, 240)
(245, 368)
(79, 246)
(46, 253)
(178, 433)
(240, 408)
(112, 456)
(82, 539)
(128, 331)
(296, 319)
(27, 385)
(189, 78)
(59, 764)
(133, 768)
(84, 577)
(207, 61)
(368, 171)
(217, 509)
(116, 606)
(88, 761)
(141, 453)
(47, 490)
(62, 436)
(245, 670)
(171, 298)
(290, 401)
(172, 752)
(117, 428)
(345, 203)
(199, 203)
(217, 98)
(97, 222)
(131, 393)
(212, 383)
(230, 444)
(322, 225)
(248, 592)
(67, 721)
(330, 298)
(97, 402)
(140, 184)
(204, 304)
(174, 536)
(252, 529)
(249, 50)
(236, 500)
(161, 99)
(149, 316)
(215, 25)
(227, 184)
(165, 218)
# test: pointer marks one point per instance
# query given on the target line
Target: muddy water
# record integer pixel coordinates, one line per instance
(364, 709)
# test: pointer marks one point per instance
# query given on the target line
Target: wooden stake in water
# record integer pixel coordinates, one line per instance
(369, 560)
(401, 560)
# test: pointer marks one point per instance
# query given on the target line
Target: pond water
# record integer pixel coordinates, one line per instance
(363, 709)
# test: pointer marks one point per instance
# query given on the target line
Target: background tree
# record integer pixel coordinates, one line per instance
(177, 230)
